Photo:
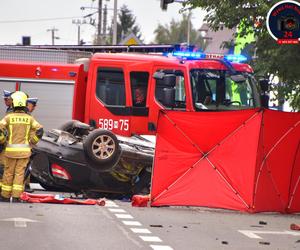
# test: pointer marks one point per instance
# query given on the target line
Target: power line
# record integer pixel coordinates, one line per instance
(39, 20)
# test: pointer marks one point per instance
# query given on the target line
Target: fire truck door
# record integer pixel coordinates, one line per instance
(161, 89)
(109, 103)
(139, 88)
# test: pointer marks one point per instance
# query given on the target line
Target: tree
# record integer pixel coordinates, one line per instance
(272, 59)
(125, 25)
(176, 32)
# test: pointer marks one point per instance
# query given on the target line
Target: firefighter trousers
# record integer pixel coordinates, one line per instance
(2, 163)
(13, 177)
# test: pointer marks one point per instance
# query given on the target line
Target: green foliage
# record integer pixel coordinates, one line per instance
(127, 24)
(272, 59)
(176, 32)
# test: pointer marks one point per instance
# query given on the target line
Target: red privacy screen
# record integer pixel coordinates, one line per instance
(241, 160)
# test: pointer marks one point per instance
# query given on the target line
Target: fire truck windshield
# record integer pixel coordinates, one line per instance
(218, 90)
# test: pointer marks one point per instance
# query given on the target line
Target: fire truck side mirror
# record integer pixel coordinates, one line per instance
(264, 85)
(264, 99)
(169, 80)
(168, 99)
(238, 78)
(158, 75)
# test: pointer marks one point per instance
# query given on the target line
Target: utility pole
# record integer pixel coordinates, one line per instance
(104, 22)
(115, 25)
(78, 22)
(99, 40)
(189, 27)
(53, 37)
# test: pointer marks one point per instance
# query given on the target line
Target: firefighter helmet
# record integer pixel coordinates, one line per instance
(19, 99)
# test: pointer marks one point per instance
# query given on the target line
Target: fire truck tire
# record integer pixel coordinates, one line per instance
(102, 150)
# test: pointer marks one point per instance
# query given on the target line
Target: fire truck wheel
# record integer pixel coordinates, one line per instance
(102, 149)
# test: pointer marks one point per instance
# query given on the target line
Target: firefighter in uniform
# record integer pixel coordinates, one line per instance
(20, 126)
(8, 103)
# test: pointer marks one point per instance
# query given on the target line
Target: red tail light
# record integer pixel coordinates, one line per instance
(60, 172)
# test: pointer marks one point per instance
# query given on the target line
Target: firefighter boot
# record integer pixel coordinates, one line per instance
(3, 199)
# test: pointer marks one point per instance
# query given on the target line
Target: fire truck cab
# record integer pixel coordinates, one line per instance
(124, 92)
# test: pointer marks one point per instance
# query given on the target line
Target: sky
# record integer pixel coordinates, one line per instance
(27, 18)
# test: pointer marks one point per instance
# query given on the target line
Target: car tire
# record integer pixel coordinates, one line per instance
(102, 150)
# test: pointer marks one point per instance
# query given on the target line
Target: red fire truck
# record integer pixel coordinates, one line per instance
(124, 92)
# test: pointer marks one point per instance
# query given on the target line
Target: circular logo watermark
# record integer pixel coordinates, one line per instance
(283, 22)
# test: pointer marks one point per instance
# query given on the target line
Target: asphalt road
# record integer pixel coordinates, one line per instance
(118, 225)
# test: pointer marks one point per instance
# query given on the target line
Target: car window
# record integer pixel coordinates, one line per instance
(139, 88)
(110, 86)
(216, 90)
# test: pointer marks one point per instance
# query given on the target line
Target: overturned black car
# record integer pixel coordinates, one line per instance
(81, 159)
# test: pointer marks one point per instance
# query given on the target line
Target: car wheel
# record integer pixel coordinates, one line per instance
(102, 149)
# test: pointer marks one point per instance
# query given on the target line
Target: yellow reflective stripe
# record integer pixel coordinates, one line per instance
(10, 134)
(0, 184)
(6, 188)
(35, 139)
(17, 149)
(17, 187)
(16, 145)
(27, 134)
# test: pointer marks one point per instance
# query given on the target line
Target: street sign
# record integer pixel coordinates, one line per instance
(131, 39)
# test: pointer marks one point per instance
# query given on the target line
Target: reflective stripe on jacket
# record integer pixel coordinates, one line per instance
(20, 127)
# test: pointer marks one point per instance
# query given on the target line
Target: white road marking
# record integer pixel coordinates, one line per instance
(20, 222)
(150, 238)
(36, 186)
(161, 247)
(117, 210)
(131, 223)
(253, 234)
(140, 230)
(124, 216)
(109, 203)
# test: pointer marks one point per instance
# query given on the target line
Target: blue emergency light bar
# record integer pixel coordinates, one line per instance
(236, 58)
(188, 55)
